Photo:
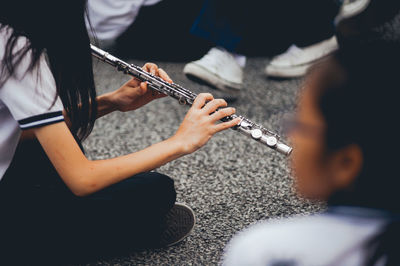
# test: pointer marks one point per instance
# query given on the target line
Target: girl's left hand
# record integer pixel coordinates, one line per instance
(134, 93)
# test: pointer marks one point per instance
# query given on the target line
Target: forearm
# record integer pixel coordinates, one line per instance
(83, 176)
(103, 173)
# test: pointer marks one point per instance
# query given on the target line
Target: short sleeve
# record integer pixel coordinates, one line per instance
(109, 18)
(31, 96)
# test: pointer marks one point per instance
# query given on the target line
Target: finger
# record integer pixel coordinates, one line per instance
(157, 94)
(133, 82)
(221, 113)
(150, 67)
(161, 95)
(145, 67)
(201, 100)
(164, 75)
(154, 70)
(226, 125)
(213, 105)
(143, 88)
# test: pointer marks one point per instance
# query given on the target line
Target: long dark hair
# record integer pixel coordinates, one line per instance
(356, 90)
(56, 28)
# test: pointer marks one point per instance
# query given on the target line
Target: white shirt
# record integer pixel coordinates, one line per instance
(323, 239)
(26, 101)
(110, 18)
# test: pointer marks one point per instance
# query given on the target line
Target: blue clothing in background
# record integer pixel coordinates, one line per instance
(220, 30)
(245, 26)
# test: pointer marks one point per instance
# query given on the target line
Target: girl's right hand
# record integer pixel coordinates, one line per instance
(200, 122)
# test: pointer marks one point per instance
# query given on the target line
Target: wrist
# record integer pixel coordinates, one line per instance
(105, 104)
(179, 145)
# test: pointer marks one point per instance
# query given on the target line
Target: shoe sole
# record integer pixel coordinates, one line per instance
(292, 72)
(180, 221)
(210, 78)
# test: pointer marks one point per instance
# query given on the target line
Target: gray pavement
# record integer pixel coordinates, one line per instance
(230, 183)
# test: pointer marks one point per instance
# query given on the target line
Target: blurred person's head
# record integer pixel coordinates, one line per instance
(345, 138)
(57, 28)
(345, 133)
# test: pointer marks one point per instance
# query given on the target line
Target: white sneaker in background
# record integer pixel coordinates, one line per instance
(351, 8)
(296, 61)
(218, 68)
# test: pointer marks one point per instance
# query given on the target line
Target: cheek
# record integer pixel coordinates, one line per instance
(307, 167)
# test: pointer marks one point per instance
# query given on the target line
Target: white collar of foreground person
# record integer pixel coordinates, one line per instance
(334, 237)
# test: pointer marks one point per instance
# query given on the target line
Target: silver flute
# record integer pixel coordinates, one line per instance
(186, 97)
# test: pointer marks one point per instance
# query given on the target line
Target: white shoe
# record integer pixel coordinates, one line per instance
(217, 68)
(351, 8)
(296, 61)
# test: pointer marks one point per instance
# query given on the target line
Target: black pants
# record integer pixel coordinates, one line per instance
(269, 25)
(42, 221)
(162, 31)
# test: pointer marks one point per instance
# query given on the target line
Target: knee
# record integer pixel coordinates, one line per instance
(154, 191)
(151, 187)
(164, 188)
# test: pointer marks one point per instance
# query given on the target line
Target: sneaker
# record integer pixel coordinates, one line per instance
(351, 8)
(296, 61)
(217, 68)
(180, 221)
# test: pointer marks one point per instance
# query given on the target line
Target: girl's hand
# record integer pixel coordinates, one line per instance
(134, 93)
(200, 122)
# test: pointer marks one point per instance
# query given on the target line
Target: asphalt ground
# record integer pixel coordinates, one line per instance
(231, 182)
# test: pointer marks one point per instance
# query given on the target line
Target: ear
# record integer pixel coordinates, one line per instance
(346, 165)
